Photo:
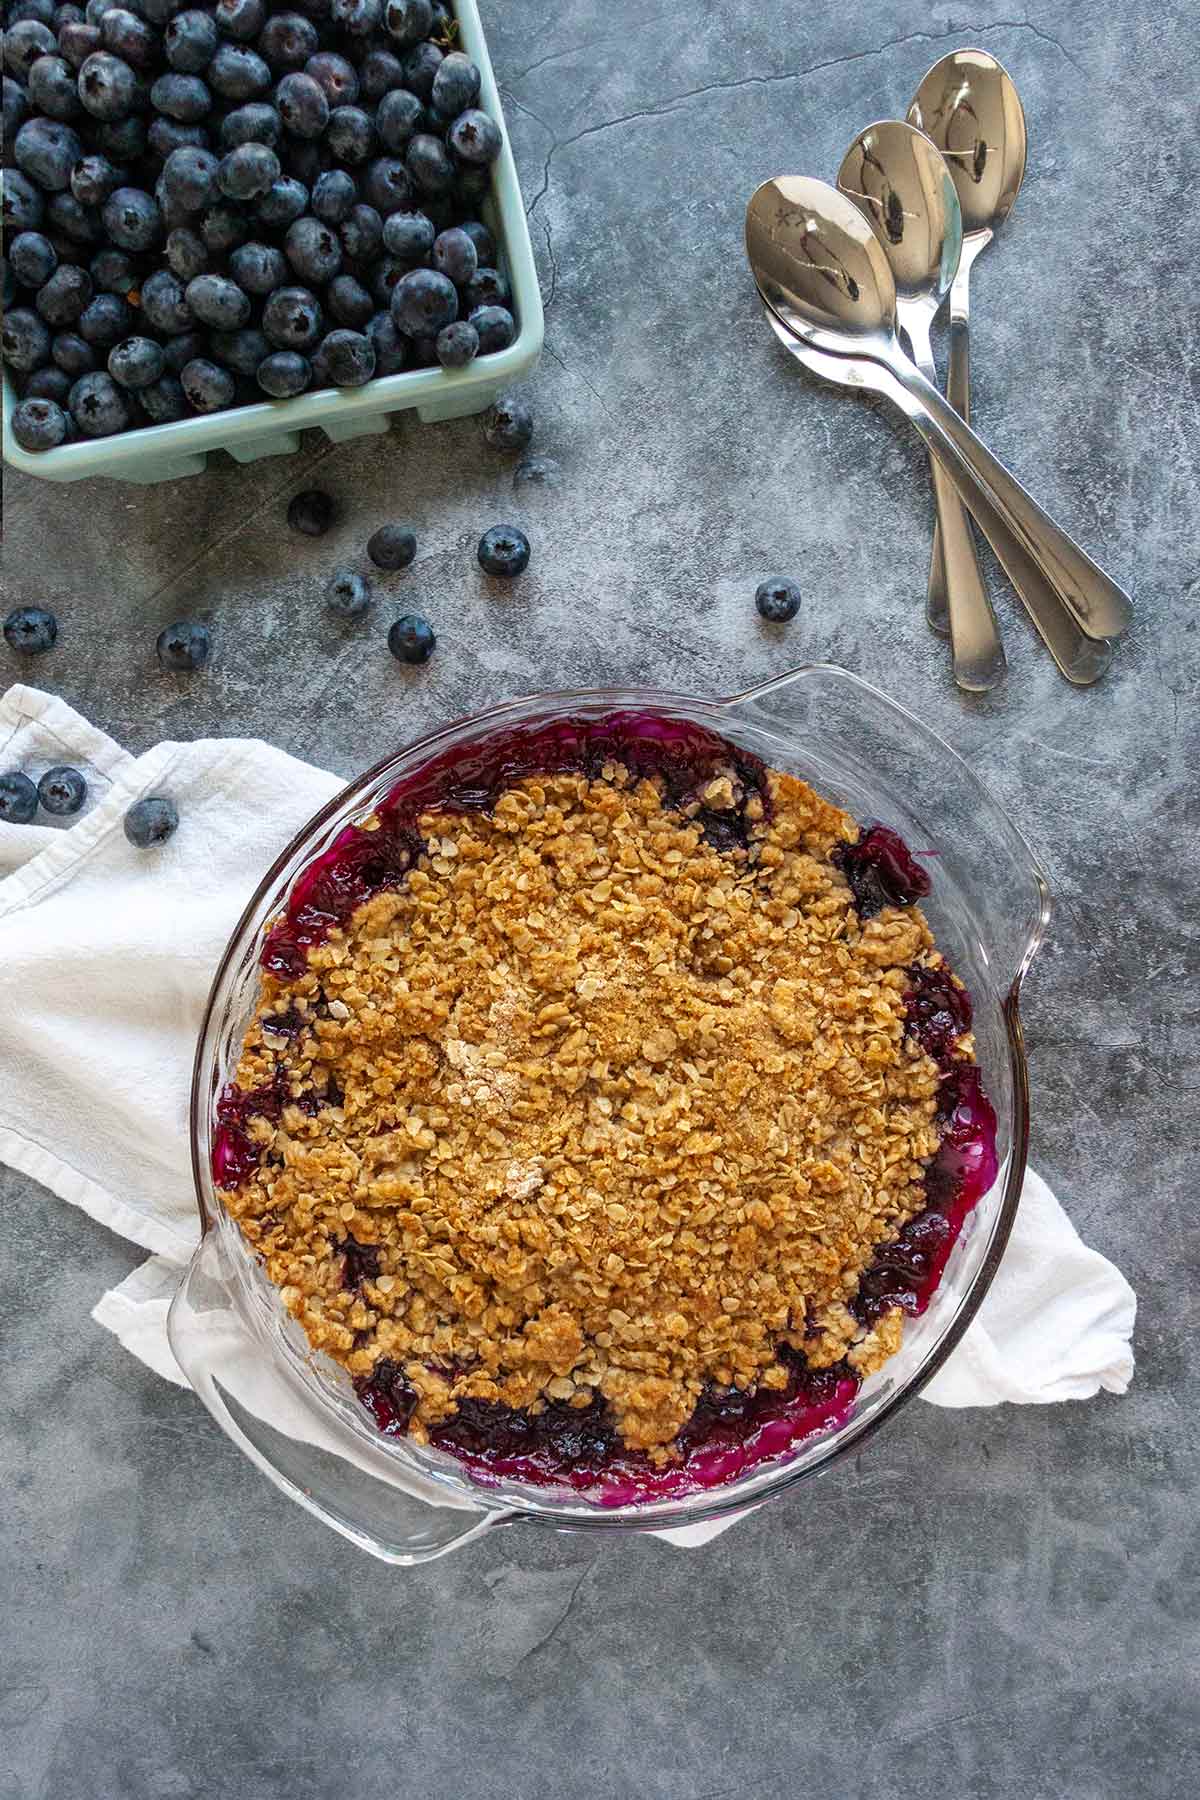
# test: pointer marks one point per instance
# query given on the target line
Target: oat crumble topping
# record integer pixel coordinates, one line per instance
(587, 1105)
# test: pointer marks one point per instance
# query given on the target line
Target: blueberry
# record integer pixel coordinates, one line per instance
(429, 166)
(310, 512)
(485, 244)
(18, 798)
(78, 41)
(335, 77)
(509, 424)
(380, 73)
(397, 117)
(358, 17)
(93, 179)
(123, 141)
(475, 137)
(166, 135)
(106, 320)
(344, 359)
(349, 301)
(302, 105)
(392, 547)
(287, 41)
(455, 85)
(98, 406)
(132, 219)
(238, 73)
(217, 302)
(129, 37)
(314, 250)
(185, 98)
(409, 236)
(186, 256)
(487, 287)
(258, 268)
(283, 374)
(41, 10)
(350, 134)
(15, 108)
(48, 384)
(38, 424)
(778, 599)
(386, 185)
(73, 354)
(408, 21)
(457, 344)
(347, 594)
(136, 362)
(420, 67)
(112, 272)
(334, 193)
(31, 630)
(223, 226)
(183, 347)
(241, 351)
(95, 10)
(150, 822)
(411, 639)
(504, 550)
(241, 19)
(52, 88)
(24, 42)
(285, 200)
(164, 299)
(23, 206)
(391, 346)
(248, 171)
(47, 150)
(423, 301)
(33, 258)
(255, 123)
(361, 232)
(164, 400)
(454, 256)
(292, 319)
(190, 41)
(62, 791)
(209, 388)
(184, 646)
(496, 327)
(69, 219)
(24, 340)
(189, 178)
(158, 11)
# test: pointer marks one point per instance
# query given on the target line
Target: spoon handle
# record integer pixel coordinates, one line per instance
(1100, 608)
(958, 393)
(974, 635)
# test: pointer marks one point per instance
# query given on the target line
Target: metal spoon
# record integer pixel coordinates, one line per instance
(900, 184)
(968, 106)
(897, 178)
(821, 269)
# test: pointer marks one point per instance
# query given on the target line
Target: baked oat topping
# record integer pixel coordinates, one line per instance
(601, 1103)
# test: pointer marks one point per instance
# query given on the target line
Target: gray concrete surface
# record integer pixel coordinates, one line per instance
(990, 1604)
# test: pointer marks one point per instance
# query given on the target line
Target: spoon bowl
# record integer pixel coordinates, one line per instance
(819, 265)
(968, 105)
(899, 181)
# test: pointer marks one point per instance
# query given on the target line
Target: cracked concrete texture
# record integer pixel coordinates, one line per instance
(993, 1604)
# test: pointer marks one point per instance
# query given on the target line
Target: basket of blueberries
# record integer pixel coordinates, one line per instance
(230, 220)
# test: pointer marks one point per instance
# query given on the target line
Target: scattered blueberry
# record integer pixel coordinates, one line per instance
(208, 387)
(310, 512)
(223, 226)
(380, 74)
(348, 594)
(18, 798)
(31, 630)
(457, 344)
(420, 68)
(778, 599)
(392, 547)
(509, 424)
(24, 41)
(69, 219)
(151, 821)
(184, 646)
(241, 19)
(484, 242)
(62, 791)
(411, 639)
(503, 551)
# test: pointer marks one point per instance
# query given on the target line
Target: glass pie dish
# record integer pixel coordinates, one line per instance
(295, 1412)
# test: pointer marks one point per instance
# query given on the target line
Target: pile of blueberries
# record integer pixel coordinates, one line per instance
(208, 204)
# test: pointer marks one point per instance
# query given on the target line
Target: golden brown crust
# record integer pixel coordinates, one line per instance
(616, 1111)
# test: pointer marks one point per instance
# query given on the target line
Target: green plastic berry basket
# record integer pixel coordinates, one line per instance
(167, 452)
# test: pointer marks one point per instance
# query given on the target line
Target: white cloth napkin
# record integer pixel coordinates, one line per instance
(106, 955)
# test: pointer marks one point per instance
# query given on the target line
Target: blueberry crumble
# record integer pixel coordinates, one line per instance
(606, 1108)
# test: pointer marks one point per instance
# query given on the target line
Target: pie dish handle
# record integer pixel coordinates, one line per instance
(310, 1454)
